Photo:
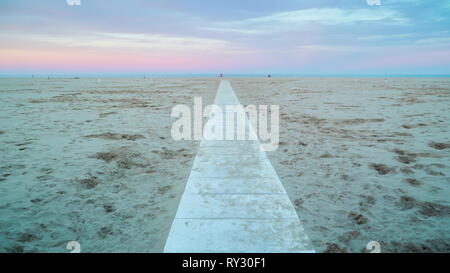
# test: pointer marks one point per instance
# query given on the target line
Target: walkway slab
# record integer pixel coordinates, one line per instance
(235, 206)
(254, 185)
(234, 200)
(237, 236)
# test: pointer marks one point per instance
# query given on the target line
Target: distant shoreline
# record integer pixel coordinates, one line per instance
(182, 75)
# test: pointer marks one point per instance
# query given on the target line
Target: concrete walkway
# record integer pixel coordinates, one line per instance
(234, 200)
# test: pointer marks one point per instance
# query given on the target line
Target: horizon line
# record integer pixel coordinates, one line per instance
(175, 74)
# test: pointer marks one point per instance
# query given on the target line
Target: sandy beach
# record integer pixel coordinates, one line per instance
(363, 160)
(92, 160)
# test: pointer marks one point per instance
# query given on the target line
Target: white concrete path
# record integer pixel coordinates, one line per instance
(234, 201)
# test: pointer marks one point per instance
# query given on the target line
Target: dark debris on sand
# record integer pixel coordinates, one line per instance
(335, 248)
(407, 202)
(27, 237)
(382, 169)
(172, 154)
(358, 218)
(115, 136)
(405, 157)
(299, 203)
(106, 156)
(429, 209)
(434, 209)
(164, 189)
(435, 245)
(439, 146)
(109, 208)
(413, 182)
(89, 183)
(15, 249)
(124, 158)
(105, 232)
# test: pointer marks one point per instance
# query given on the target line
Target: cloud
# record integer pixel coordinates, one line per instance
(255, 35)
(328, 48)
(297, 19)
(435, 39)
(386, 36)
(131, 42)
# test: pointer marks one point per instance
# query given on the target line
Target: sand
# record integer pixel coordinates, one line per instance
(363, 161)
(93, 160)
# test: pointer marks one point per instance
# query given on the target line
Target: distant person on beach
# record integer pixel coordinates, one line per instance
(268, 76)
(221, 75)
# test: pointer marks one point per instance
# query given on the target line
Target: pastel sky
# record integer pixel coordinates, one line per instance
(229, 36)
